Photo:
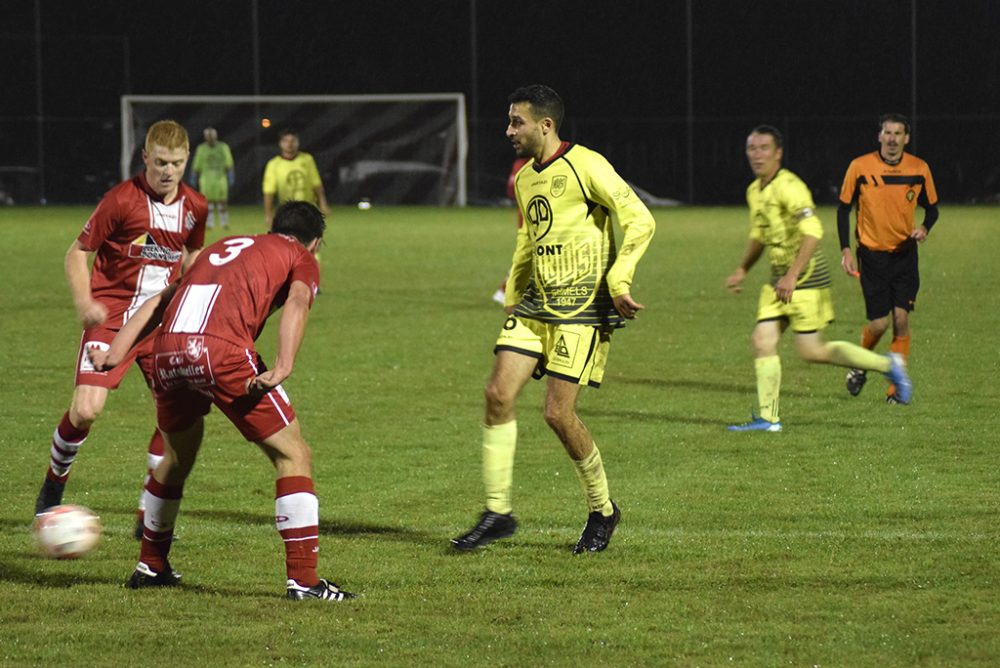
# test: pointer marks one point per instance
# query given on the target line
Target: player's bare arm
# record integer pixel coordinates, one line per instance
(188, 256)
(145, 320)
(322, 205)
(77, 267)
(268, 209)
(734, 282)
(291, 331)
(786, 284)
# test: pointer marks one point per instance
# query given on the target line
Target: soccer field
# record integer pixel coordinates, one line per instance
(863, 535)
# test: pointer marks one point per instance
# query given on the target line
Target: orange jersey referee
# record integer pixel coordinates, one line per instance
(887, 185)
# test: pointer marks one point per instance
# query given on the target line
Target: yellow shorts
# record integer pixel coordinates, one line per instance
(810, 310)
(575, 353)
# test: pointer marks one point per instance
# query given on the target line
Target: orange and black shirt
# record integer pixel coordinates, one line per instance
(887, 196)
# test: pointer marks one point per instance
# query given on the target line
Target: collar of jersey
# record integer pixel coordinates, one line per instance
(560, 152)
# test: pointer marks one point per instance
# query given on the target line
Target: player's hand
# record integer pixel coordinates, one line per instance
(735, 280)
(847, 263)
(265, 382)
(99, 358)
(785, 287)
(919, 234)
(91, 313)
(625, 306)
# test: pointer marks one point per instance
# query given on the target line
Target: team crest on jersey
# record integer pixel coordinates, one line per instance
(539, 214)
(910, 195)
(558, 186)
(194, 348)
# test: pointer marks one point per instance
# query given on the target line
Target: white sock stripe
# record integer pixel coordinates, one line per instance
(290, 540)
(294, 511)
(65, 458)
(58, 440)
(160, 514)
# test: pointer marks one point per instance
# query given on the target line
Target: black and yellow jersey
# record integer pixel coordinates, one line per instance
(781, 213)
(567, 265)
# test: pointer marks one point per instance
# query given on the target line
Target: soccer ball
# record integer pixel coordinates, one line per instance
(67, 532)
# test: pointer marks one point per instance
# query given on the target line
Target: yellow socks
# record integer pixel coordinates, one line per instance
(590, 471)
(499, 443)
(768, 386)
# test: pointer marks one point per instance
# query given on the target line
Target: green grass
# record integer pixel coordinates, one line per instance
(863, 535)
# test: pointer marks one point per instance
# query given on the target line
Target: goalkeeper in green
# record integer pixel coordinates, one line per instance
(213, 174)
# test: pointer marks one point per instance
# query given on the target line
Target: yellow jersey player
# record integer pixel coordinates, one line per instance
(783, 220)
(569, 289)
(887, 186)
(292, 176)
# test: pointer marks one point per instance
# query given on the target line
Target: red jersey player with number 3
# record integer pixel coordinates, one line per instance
(142, 232)
(204, 354)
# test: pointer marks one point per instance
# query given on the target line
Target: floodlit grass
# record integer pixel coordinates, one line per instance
(863, 535)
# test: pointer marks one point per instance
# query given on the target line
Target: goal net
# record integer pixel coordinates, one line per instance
(388, 149)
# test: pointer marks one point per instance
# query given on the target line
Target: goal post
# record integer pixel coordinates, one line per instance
(388, 149)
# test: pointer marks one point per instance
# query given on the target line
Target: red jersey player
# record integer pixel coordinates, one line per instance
(204, 354)
(142, 232)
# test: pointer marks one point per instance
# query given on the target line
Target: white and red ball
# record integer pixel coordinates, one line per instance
(67, 531)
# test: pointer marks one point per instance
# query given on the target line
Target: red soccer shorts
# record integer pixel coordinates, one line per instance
(193, 371)
(101, 337)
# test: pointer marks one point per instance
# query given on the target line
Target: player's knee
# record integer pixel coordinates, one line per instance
(763, 344)
(497, 400)
(85, 412)
(559, 418)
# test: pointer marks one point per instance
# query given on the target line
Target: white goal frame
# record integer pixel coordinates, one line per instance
(462, 145)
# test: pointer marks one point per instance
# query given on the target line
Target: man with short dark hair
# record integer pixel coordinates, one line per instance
(204, 354)
(292, 176)
(783, 220)
(569, 289)
(887, 185)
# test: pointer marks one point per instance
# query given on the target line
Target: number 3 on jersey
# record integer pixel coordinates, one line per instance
(233, 248)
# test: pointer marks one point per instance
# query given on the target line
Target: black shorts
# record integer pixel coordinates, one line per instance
(888, 279)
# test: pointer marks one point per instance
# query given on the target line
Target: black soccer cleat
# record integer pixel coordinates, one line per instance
(856, 379)
(143, 576)
(324, 591)
(50, 494)
(491, 526)
(597, 534)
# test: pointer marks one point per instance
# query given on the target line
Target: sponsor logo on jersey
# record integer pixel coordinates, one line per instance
(144, 248)
(539, 215)
(558, 185)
